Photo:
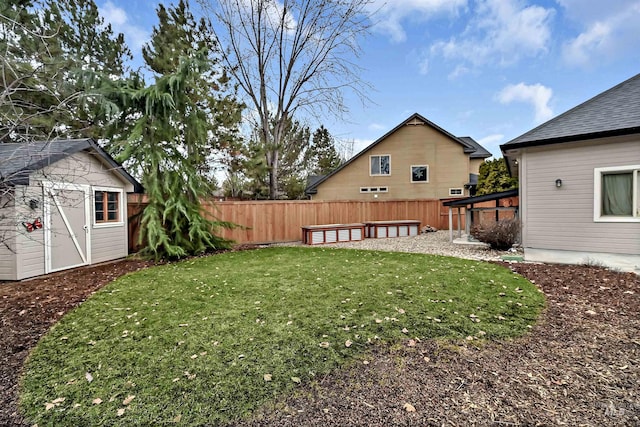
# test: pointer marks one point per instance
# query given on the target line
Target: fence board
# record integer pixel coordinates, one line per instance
(280, 221)
(272, 221)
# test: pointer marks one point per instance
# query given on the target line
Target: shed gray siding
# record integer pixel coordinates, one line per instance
(562, 218)
(30, 253)
(81, 168)
(7, 239)
(107, 241)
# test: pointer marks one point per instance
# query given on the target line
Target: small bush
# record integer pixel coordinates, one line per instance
(502, 234)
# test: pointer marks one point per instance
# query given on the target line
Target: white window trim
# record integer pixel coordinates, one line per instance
(121, 207)
(597, 197)
(411, 174)
(380, 174)
(458, 194)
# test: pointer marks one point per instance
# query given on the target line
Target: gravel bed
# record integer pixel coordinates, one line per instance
(436, 243)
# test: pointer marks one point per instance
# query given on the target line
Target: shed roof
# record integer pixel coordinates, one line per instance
(611, 113)
(19, 160)
(470, 146)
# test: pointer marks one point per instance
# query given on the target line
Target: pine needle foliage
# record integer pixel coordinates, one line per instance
(494, 177)
(174, 224)
(175, 127)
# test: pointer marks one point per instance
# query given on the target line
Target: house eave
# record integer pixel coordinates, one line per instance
(570, 138)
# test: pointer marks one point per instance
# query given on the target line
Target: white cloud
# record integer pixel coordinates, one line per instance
(460, 70)
(501, 31)
(119, 20)
(579, 51)
(492, 144)
(609, 32)
(537, 95)
(493, 139)
(423, 66)
(376, 127)
(390, 15)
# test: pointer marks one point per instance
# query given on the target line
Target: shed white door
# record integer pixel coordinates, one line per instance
(67, 238)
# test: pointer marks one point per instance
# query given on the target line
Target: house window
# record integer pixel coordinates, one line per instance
(455, 192)
(380, 165)
(374, 189)
(420, 173)
(107, 206)
(617, 194)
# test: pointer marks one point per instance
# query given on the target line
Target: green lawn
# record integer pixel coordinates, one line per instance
(211, 339)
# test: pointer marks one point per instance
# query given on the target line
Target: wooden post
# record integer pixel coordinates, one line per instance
(450, 224)
(459, 223)
(467, 225)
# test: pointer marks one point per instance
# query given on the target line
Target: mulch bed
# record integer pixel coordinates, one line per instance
(579, 366)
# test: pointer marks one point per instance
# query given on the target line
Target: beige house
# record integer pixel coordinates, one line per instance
(580, 182)
(415, 160)
(63, 204)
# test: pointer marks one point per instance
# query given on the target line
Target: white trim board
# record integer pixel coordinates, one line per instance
(623, 262)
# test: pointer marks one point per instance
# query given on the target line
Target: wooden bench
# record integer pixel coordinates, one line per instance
(383, 229)
(332, 233)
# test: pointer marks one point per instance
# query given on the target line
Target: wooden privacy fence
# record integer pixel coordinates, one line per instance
(272, 221)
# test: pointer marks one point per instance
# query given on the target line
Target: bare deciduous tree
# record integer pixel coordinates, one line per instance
(289, 57)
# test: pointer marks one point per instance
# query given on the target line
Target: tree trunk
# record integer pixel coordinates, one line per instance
(273, 176)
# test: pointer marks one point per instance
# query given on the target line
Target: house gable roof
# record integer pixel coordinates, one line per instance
(613, 112)
(18, 161)
(468, 147)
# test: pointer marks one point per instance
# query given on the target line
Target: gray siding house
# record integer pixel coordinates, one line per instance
(580, 182)
(63, 204)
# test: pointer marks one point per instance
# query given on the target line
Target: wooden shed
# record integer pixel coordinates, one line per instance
(63, 204)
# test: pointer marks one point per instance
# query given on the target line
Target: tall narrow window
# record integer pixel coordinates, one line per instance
(617, 194)
(380, 165)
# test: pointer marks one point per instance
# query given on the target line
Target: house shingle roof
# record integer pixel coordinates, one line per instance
(480, 152)
(18, 161)
(469, 145)
(613, 112)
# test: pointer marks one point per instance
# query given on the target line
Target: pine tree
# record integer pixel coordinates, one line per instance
(294, 147)
(494, 177)
(324, 156)
(177, 123)
(56, 54)
(179, 35)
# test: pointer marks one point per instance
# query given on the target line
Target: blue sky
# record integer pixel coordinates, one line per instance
(489, 69)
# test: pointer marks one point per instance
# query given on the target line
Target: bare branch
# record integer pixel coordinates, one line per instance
(291, 57)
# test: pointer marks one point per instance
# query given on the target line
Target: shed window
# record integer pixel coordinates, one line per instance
(420, 173)
(380, 165)
(617, 194)
(107, 206)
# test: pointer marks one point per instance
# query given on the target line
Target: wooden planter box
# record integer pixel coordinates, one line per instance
(383, 229)
(332, 233)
